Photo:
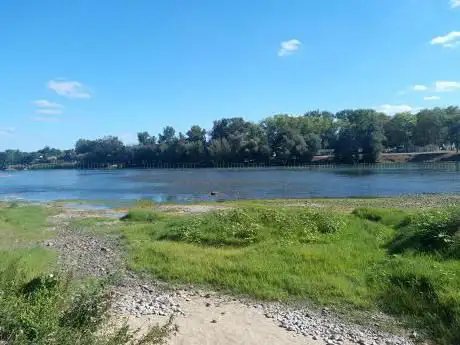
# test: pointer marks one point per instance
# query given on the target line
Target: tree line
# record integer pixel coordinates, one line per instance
(358, 135)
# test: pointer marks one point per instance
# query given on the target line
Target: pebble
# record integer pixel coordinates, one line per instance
(325, 326)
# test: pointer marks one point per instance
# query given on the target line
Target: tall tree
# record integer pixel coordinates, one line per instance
(431, 127)
(399, 130)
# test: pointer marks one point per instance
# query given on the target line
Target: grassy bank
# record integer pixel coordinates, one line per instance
(403, 261)
(21, 228)
(41, 307)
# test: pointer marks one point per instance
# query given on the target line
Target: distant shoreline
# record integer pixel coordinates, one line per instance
(318, 161)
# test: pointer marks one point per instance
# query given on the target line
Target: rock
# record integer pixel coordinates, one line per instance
(207, 295)
(213, 321)
(269, 316)
(208, 304)
(146, 288)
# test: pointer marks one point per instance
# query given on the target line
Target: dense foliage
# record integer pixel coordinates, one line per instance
(353, 135)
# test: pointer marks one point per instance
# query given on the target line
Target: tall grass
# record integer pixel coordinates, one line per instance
(51, 310)
(321, 256)
(39, 308)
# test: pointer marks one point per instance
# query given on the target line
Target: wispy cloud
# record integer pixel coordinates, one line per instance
(48, 108)
(391, 109)
(447, 86)
(43, 103)
(69, 88)
(455, 3)
(49, 111)
(7, 131)
(431, 98)
(419, 87)
(451, 40)
(289, 47)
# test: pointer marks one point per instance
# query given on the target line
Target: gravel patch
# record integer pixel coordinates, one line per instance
(191, 209)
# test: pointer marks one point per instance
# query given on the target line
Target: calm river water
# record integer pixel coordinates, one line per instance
(196, 184)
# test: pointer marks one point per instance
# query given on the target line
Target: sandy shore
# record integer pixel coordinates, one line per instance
(228, 323)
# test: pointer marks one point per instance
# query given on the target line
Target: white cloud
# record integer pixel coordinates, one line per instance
(419, 88)
(431, 98)
(69, 89)
(7, 131)
(392, 109)
(289, 47)
(455, 3)
(48, 108)
(451, 40)
(49, 111)
(447, 86)
(42, 103)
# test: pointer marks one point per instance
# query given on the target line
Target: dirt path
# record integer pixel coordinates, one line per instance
(229, 323)
(202, 317)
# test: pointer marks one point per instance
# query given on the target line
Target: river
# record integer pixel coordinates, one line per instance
(186, 185)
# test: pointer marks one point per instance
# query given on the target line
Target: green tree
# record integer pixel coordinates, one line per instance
(196, 134)
(431, 127)
(453, 126)
(399, 130)
(362, 132)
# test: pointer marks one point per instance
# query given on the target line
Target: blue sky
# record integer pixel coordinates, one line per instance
(88, 68)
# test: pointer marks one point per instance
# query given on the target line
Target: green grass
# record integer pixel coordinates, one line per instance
(42, 308)
(322, 256)
(54, 310)
(33, 261)
(22, 225)
(143, 215)
(388, 216)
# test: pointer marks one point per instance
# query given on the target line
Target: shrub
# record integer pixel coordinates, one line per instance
(234, 227)
(48, 310)
(245, 226)
(386, 216)
(143, 215)
(432, 231)
(419, 297)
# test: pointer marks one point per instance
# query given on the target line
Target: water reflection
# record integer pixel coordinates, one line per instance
(198, 184)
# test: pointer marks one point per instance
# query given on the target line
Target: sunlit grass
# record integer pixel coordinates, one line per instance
(22, 225)
(283, 256)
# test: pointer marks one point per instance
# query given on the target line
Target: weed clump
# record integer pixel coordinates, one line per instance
(50, 310)
(245, 226)
(142, 215)
(419, 296)
(386, 216)
(432, 231)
